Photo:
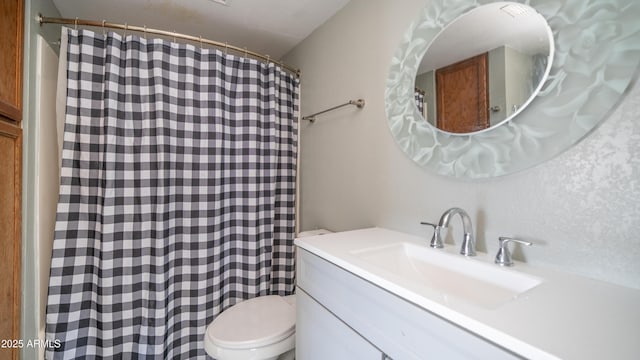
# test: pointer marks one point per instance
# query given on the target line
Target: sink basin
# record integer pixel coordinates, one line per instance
(466, 279)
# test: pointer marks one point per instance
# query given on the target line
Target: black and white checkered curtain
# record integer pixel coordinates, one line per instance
(176, 199)
(419, 101)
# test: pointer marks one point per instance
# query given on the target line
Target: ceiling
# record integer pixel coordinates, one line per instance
(270, 27)
(484, 28)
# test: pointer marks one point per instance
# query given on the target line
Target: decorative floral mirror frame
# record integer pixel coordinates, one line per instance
(597, 52)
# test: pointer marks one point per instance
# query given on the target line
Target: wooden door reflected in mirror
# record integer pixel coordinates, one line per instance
(463, 96)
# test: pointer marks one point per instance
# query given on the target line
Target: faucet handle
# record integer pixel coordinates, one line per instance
(436, 239)
(503, 258)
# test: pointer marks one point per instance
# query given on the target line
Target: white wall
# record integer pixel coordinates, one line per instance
(519, 78)
(38, 188)
(582, 208)
(47, 171)
(497, 84)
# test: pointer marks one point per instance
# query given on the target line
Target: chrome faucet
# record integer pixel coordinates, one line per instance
(468, 247)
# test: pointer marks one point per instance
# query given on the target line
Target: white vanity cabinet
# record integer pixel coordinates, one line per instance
(321, 336)
(342, 316)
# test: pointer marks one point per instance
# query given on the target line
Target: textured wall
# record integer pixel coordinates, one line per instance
(582, 209)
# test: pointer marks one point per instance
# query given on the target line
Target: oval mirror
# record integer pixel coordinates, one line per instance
(484, 68)
(595, 61)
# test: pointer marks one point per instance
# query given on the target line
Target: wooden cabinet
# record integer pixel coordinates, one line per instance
(10, 230)
(11, 43)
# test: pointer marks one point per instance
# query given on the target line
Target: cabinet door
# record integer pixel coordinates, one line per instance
(10, 246)
(463, 96)
(321, 336)
(11, 13)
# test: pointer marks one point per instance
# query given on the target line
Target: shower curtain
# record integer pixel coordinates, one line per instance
(177, 195)
(419, 96)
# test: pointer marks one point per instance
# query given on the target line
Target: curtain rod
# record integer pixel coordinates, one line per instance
(312, 118)
(105, 24)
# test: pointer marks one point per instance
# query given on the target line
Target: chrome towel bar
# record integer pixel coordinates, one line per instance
(358, 103)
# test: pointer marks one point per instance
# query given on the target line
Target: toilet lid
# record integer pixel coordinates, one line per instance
(252, 323)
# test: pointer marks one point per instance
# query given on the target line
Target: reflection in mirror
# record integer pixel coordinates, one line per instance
(484, 68)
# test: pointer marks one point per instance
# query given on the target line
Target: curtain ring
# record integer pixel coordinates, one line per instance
(245, 51)
(268, 59)
(174, 36)
(104, 33)
(145, 32)
(226, 48)
(76, 23)
(126, 27)
(201, 42)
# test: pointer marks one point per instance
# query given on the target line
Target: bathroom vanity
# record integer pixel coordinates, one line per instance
(376, 294)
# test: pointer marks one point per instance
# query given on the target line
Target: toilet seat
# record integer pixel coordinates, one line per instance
(253, 323)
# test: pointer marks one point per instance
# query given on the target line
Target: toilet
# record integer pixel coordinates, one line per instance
(262, 328)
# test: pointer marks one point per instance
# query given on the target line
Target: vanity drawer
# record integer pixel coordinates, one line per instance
(400, 329)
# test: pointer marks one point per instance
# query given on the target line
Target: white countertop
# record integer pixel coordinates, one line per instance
(565, 317)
